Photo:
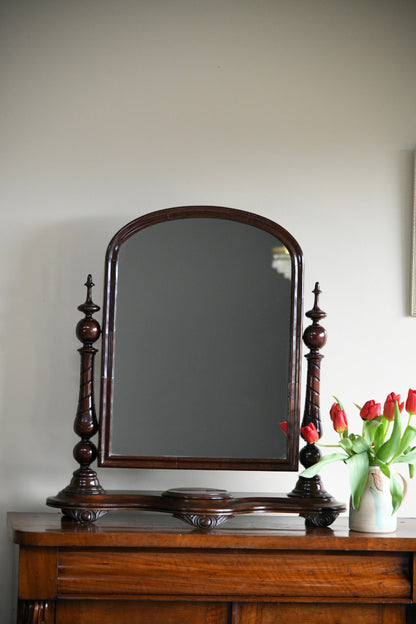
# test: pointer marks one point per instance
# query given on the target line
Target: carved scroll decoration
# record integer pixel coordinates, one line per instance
(36, 612)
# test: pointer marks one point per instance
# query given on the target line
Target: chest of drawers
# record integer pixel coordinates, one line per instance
(153, 569)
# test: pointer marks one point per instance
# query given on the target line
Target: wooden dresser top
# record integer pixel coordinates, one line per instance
(145, 529)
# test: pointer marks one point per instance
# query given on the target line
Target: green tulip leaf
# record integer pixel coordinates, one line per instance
(405, 458)
(358, 472)
(407, 439)
(346, 444)
(396, 491)
(327, 459)
(370, 428)
(380, 433)
(390, 448)
(384, 469)
(411, 470)
(339, 403)
(360, 444)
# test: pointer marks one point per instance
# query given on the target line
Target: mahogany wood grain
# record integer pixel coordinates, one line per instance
(414, 583)
(108, 612)
(264, 613)
(37, 573)
(144, 529)
(203, 507)
(233, 574)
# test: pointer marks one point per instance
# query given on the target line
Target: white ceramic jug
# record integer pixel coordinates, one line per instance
(375, 511)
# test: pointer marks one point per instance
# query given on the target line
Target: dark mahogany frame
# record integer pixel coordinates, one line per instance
(84, 499)
(106, 458)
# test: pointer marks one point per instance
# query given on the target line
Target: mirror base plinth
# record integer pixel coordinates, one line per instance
(203, 508)
(310, 488)
(84, 481)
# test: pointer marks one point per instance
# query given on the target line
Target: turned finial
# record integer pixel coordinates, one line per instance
(314, 335)
(88, 329)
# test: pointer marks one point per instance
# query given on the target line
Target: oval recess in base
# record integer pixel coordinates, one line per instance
(197, 493)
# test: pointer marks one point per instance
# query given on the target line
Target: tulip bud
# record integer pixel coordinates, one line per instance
(339, 418)
(310, 433)
(411, 402)
(388, 410)
(370, 410)
(283, 426)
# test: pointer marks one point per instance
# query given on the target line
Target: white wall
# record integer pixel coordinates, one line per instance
(303, 111)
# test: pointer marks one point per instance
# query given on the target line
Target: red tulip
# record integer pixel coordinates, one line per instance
(389, 404)
(339, 418)
(370, 410)
(283, 426)
(310, 433)
(411, 402)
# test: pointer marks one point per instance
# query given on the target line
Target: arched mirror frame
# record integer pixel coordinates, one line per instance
(106, 457)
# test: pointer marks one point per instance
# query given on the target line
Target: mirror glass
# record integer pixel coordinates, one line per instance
(200, 346)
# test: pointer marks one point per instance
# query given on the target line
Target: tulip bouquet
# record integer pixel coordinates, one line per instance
(384, 442)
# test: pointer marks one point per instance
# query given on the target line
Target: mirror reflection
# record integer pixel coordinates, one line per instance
(202, 342)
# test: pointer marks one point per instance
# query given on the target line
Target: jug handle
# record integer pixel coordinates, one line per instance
(404, 481)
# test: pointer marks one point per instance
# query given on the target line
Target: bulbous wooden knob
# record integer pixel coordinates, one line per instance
(88, 330)
(85, 453)
(314, 337)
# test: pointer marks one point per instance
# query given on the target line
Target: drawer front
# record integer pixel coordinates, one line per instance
(322, 614)
(135, 612)
(233, 573)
